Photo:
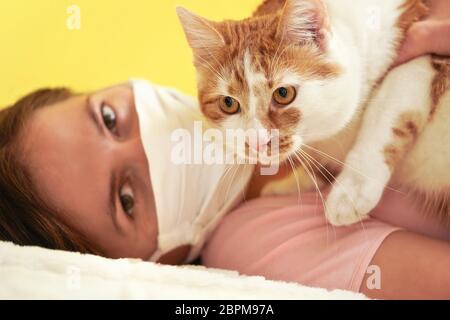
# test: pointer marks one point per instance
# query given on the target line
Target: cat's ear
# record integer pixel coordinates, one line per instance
(304, 21)
(202, 37)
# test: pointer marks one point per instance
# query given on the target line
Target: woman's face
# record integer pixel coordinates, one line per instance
(87, 159)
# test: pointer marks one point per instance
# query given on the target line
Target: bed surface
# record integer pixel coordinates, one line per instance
(36, 273)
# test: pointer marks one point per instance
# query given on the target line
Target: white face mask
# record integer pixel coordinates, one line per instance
(190, 198)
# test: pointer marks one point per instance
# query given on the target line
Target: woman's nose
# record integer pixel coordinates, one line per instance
(129, 151)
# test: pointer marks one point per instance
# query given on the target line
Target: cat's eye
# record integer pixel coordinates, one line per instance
(229, 105)
(284, 95)
(127, 200)
(109, 118)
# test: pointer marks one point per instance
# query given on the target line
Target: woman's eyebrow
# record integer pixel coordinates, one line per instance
(93, 116)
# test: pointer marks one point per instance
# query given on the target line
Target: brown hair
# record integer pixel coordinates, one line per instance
(25, 218)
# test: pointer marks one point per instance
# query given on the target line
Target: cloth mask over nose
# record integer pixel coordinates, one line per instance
(191, 196)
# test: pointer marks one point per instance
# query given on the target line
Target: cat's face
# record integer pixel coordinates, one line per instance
(270, 72)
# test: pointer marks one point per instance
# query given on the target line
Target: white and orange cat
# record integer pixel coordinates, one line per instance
(318, 71)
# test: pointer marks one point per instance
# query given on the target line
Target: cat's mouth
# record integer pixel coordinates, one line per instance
(272, 154)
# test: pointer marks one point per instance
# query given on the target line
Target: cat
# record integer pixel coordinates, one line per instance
(320, 72)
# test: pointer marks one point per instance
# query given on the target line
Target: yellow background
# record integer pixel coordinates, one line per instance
(118, 39)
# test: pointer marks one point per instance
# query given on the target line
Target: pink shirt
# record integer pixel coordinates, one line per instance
(285, 239)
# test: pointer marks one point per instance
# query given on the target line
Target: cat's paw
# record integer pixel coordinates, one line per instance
(351, 199)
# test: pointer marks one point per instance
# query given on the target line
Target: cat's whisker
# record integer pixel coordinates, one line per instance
(213, 71)
(234, 170)
(276, 52)
(311, 172)
(304, 156)
(227, 170)
(309, 158)
(299, 157)
(211, 68)
(243, 190)
(222, 69)
(314, 179)
(316, 163)
(345, 165)
(226, 173)
(319, 167)
(311, 176)
(279, 57)
(278, 48)
(296, 180)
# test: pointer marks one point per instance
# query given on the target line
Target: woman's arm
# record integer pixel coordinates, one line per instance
(431, 35)
(288, 239)
(411, 267)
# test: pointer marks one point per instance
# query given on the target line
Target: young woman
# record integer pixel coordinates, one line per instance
(76, 174)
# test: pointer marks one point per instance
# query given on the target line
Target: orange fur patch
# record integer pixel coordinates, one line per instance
(413, 11)
(405, 132)
(287, 118)
(258, 37)
(268, 54)
(269, 7)
(441, 82)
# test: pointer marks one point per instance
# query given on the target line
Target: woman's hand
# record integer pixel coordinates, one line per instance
(431, 35)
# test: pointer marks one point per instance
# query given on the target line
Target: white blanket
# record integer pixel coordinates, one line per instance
(36, 273)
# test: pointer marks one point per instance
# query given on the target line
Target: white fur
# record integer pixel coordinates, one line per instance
(359, 187)
(253, 78)
(350, 128)
(348, 132)
(300, 20)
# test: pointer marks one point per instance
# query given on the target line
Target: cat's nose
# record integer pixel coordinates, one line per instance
(261, 141)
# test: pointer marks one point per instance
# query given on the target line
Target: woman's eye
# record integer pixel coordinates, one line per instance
(127, 200)
(109, 118)
(229, 105)
(284, 95)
